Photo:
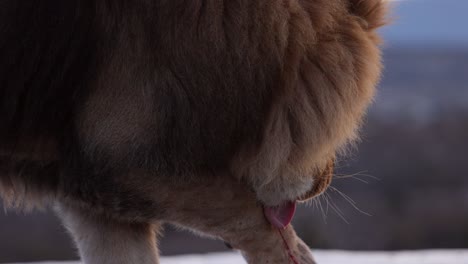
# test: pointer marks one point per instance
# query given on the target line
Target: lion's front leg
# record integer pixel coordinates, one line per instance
(226, 209)
(102, 240)
(292, 250)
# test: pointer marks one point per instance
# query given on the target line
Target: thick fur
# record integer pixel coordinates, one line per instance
(110, 106)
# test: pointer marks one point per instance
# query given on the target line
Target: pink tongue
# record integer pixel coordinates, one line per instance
(280, 216)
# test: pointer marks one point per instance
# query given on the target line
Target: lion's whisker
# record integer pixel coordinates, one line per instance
(321, 210)
(337, 210)
(349, 200)
(328, 204)
(361, 173)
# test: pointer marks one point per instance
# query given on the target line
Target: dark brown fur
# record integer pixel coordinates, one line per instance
(112, 106)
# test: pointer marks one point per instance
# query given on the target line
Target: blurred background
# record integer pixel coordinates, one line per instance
(406, 187)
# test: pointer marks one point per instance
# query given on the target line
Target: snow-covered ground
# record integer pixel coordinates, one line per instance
(334, 257)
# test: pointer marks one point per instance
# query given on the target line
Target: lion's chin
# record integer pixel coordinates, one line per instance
(321, 182)
(281, 216)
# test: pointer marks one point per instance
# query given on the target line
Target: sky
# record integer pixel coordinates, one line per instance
(428, 23)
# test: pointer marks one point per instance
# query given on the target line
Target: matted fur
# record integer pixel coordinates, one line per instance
(111, 106)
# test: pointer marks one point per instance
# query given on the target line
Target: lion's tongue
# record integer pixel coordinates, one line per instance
(280, 216)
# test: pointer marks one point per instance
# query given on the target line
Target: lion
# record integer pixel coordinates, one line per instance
(217, 116)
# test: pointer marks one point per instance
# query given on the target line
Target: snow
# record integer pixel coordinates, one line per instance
(334, 257)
